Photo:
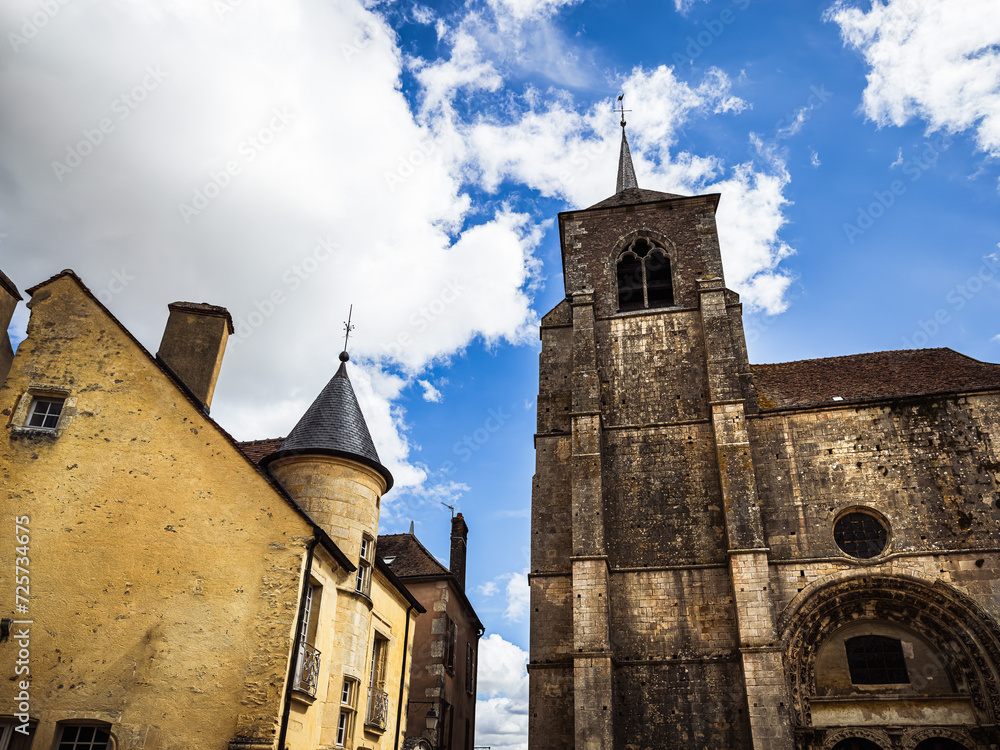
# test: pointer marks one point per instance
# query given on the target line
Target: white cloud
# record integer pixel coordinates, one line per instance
(294, 223)
(814, 159)
(898, 161)
(565, 153)
(523, 10)
(431, 393)
(684, 6)
(502, 705)
(516, 591)
(518, 597)
(932, 60)
(488, 589)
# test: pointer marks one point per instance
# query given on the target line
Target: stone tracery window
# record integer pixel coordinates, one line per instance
(644, 277)
(860, 534)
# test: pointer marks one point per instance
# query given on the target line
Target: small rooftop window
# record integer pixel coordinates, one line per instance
(45, 412)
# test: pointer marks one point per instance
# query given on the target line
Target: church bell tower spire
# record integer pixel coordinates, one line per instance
(626, 172)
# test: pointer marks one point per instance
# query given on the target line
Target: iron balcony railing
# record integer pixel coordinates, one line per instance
(378, 707)
(307, 672)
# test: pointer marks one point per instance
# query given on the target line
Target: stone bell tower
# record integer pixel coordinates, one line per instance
(647, 628)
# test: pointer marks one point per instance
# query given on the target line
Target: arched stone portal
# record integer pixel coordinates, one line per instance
(959, 641)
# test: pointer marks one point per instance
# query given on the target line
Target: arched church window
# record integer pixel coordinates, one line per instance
(860, 534)
(856, 743)
(876, 660)
(644, 277)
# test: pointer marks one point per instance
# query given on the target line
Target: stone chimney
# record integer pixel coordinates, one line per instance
(9, 297)
(459, 542)
(193, 344)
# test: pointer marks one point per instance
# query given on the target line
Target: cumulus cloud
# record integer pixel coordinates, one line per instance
(217, 158)
(488, 589)
(516, 592)
(431, 393)
(571, 154)
(502, 702)
(929, 61)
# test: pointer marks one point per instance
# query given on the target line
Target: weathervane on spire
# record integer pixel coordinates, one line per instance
(622, 109)
(347, 333)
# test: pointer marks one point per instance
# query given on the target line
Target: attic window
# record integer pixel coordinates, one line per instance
(644, 277)
(45, 413)
(388, 560)
(44, 409)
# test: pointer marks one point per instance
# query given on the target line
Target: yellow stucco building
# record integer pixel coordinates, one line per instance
(167, 587)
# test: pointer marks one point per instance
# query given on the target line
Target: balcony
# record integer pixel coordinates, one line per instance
(378, 708)
(307, 669)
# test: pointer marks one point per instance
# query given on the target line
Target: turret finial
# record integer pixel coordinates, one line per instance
(344, 356)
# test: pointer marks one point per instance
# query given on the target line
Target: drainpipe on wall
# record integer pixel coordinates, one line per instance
(293, 662)
(402, 679)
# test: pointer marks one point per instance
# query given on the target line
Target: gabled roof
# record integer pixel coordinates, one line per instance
(322, 537)
(412, 562)
(411, 557)
(334, 426)
(877, 375)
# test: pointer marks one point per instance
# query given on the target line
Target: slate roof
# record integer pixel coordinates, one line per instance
(878, 375)
(334, 426)
(412, 559)
(634, 196)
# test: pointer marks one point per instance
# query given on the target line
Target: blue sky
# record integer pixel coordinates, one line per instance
(289, 159)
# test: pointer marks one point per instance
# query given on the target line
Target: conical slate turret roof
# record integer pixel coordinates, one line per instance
(334, 426)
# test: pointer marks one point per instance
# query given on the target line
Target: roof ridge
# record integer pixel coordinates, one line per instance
(867, 354)
(430, 555)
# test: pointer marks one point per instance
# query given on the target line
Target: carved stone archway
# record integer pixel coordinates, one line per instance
(965, 636)
(871, 734)
(915, 736)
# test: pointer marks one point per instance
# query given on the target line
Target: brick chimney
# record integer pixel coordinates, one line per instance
(9, 297)
(193, 344)
(459, 542)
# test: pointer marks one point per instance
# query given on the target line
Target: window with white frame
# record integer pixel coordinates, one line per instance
(45, 412)
(348, 710)
(364, 582)
(378, 697)
(307, 666)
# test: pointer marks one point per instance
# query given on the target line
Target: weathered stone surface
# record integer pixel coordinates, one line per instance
(682, 526)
